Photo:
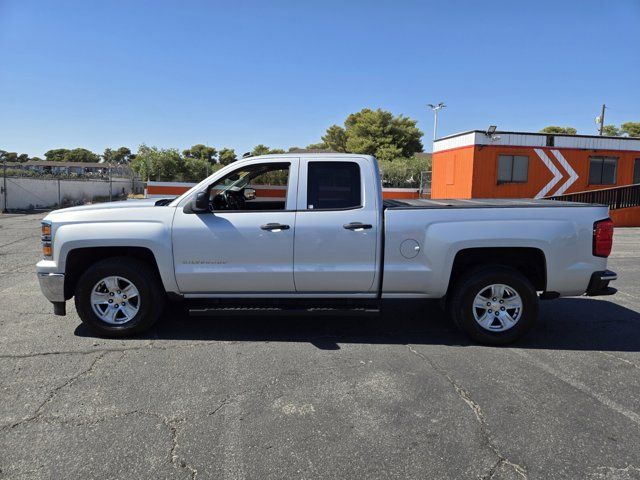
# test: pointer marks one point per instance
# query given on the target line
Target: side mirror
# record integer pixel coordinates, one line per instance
(249, 193)
(201, 203)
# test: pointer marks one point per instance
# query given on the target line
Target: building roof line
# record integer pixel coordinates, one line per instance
(542, 134)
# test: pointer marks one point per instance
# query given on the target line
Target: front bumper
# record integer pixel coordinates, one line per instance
(52, 286)
(599, 283)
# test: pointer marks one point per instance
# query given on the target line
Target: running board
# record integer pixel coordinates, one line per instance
(282, 312)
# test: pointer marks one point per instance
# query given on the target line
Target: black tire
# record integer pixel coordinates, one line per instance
(461, 310)
(145, 279)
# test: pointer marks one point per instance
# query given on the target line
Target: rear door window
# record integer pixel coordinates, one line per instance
(333, 185)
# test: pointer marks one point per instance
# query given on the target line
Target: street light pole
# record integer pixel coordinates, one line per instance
(435, 109)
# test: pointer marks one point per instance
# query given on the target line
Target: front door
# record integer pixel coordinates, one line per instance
(245, 244)
(337, 227)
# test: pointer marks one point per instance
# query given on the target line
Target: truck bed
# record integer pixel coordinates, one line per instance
(480, 203)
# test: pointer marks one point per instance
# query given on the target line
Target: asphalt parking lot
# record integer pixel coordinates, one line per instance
(402, 396)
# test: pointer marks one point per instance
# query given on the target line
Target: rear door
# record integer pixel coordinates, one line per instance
(337, 226)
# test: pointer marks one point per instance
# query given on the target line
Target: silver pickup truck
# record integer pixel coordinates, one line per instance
(301, 232)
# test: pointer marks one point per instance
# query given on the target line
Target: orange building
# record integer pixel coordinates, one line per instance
(479, 164)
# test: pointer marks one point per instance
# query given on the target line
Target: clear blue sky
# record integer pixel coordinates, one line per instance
(238, 73)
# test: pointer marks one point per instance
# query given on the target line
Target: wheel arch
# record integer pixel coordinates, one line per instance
(529, 261)
(79, 259)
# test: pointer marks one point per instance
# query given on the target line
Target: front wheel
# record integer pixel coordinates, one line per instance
(494, 305)
(119, 297)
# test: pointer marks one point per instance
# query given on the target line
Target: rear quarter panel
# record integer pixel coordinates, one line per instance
(563, 234)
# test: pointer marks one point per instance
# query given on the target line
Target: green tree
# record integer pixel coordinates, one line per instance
(80, 155)
(121, 156)
(559, 130)
(260, 150)
(56, 155)
(157, 163)
(335, 139)
(276, 151)
(10, 157)
(227, 156)
(23, 157)
(318, 146)
(631, 128)
(195, 169)
(380, 133)
(201, 152)
(108, 156)
(611, 131)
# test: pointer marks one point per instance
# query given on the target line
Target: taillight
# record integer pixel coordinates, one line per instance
(602, 237)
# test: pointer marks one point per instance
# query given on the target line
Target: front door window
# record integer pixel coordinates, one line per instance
(254, 187)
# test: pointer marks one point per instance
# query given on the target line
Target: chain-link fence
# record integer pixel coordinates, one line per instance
(425, 184)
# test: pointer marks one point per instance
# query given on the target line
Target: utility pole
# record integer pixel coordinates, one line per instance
(4, 209)
(435, 109)
(601, 119)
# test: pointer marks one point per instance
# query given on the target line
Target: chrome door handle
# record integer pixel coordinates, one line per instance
(274, 227)
(357, 226)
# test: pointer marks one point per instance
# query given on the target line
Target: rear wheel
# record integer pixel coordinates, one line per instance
(494, 305)
(119, 297)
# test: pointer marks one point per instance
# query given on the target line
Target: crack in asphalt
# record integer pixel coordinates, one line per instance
(475, 407)
(54, 392)
(173, 456)
(17, 269)
(222, 404)
(229, 399)
(172, 425)
(101, 350)
(16, 241)
(149, 347)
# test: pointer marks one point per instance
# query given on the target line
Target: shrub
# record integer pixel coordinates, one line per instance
(403, 172)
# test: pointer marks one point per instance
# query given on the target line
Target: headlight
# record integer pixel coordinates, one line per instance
(47, 248)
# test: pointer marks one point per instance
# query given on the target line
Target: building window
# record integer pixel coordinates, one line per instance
(636, 171)
(602, 170)
(513, 168)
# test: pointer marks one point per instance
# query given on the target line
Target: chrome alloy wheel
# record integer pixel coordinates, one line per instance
(115, 300)
(497, 307)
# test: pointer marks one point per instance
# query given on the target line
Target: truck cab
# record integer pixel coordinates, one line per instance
(282, 225)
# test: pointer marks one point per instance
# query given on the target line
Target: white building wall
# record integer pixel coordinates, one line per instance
(592, 143)
(524, 139)
(24, 193)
